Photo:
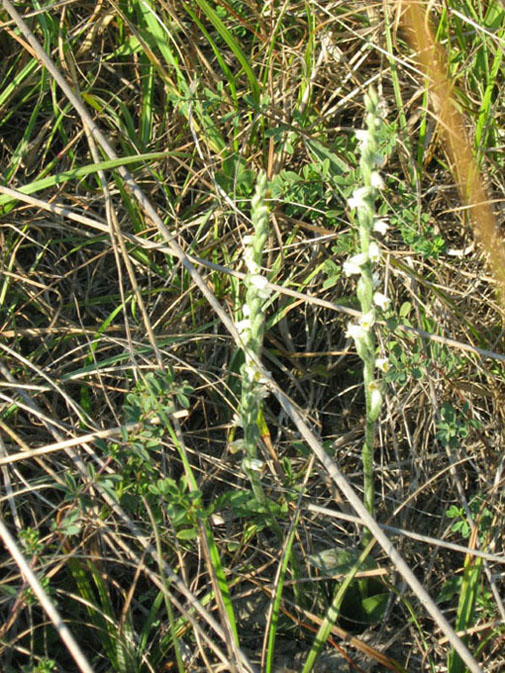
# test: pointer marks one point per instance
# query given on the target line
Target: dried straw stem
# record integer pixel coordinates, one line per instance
(432, 60)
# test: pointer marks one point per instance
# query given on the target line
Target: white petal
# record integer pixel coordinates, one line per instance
(236, 421)
(251, 265)
(352, 266)
(380, 226)
(367, 320)
(243, 326)
(381, 300)
(375, 400)
(382, 364)
(249, 371)
(260, 283)
(358, 197)
(374, 252)
(253, 464)
(355, 332)
(353, 202)
(376, 180)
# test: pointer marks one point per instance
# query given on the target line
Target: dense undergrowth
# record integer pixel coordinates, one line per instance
(129, 484)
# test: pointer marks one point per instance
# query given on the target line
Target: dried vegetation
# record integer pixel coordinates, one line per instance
(120, 382)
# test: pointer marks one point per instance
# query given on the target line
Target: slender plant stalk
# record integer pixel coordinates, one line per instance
(363, 200)
(251, 329)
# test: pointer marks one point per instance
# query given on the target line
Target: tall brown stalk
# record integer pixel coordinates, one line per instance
(432, 60)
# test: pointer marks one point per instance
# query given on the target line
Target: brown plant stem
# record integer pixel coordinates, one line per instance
(431, 58)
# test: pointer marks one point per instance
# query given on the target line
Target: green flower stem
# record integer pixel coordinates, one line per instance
(364, 201)
(367, 454)
(252, 332)
(251, 329)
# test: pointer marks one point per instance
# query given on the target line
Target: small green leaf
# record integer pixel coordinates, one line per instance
(71, 524)
(374, 607)
(187, 533)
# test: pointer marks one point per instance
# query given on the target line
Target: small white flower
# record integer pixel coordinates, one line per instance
(356, 332)
(354, 202)
(380, 226)
(236, 421)
(352, 266)
(249, 371)
(262, 391)
(374, 253)
(261, 284)
(375, 400)
(382, 364)
(253, 374)
(246, 310)
(236, 446)
(367, 320)
(376, 180)
(247, 241)
(259, 281)
(362, 135)
(243, 327)
(358, 198)
(253, 464)
(251, 265)
(381, 300)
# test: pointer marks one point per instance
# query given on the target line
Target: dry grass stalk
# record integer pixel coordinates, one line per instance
(431, 58)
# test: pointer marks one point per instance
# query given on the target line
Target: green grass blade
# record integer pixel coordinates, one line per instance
(215, 558)
(233, 45)
(83, 171)
(466, 608)
(272, 632)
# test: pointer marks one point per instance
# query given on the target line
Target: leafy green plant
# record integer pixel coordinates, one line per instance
(154, 395)
(454, 426)
(242, 505)
(305, 195)
(417, 229)
(182, 506)
(467, 587)
(44, 665)
(406, 363)
(30, 538)
(365, 600)
(480, 513)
